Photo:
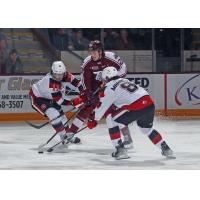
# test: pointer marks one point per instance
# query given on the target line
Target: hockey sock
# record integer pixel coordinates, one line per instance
(126, 133)
(59, 128)
(77, 123)
(115, 135)
(155, 138)
(64, 122)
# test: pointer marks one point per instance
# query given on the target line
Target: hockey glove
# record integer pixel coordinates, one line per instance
(92, 123)
(83, 96)
(76, 101)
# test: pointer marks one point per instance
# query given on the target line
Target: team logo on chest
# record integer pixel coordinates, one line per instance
(55, 86)
(43, 106)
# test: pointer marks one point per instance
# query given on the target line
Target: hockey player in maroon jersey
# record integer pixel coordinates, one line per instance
(91, 71)
(132, 103)
(47, 97)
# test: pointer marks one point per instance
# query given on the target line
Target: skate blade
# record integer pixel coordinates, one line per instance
(129, 147)
(122, 157)
(170, 157)
(71, 143)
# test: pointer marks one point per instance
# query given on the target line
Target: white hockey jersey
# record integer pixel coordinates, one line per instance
(49, 88)
(120, 92)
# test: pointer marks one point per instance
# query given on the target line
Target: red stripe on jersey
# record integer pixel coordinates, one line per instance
(141, 103)
(55, 86)
(114, 136)
(57, 98)
(110, 110)
(33, 98)
(157, 139)
(68, 77)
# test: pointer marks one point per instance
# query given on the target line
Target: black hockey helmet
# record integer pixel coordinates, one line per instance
(95, 45)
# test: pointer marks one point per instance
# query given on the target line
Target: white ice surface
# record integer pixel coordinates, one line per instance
(19, 142)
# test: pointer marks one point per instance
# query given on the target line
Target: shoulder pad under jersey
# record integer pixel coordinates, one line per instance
(86, 60)
(110, 54)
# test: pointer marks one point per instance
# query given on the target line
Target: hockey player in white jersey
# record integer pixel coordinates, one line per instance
(47, 97)
(131, 103)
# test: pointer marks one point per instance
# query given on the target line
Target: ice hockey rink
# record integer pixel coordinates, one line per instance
(19, 148)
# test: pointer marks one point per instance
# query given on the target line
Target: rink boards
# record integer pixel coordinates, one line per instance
(173, 94)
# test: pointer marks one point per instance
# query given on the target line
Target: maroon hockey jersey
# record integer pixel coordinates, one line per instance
(92, 70)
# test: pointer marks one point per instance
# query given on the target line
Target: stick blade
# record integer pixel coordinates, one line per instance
(50, 150)
(33, 125)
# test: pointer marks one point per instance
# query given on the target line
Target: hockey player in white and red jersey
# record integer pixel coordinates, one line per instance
(47, 97)
(92, 68)
(131, 103)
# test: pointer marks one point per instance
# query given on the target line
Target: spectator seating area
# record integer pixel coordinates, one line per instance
(33, 56)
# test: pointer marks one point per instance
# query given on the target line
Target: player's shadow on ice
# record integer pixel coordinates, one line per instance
(131, 163)
(112, 162)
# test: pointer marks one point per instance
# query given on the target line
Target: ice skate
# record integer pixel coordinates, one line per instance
(69, 137)
(120, 152)
(166, 151)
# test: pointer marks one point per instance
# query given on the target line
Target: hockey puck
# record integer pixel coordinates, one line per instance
(40, 151)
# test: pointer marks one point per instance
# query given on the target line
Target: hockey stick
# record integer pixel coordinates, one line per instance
(42, 145)
(68, 141)
(42, 125)
(96, 91)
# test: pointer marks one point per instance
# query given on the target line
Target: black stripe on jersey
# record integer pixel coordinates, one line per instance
(68, 88)
(56, 94)
(54, 81)
(66, 102)
(80, 88)
(75, 82)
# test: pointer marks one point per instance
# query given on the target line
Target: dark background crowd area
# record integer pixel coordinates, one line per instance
(114, 39)
(21, 50)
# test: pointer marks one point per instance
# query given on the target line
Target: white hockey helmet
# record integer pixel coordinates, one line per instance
(58, 67)
(108, 73)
